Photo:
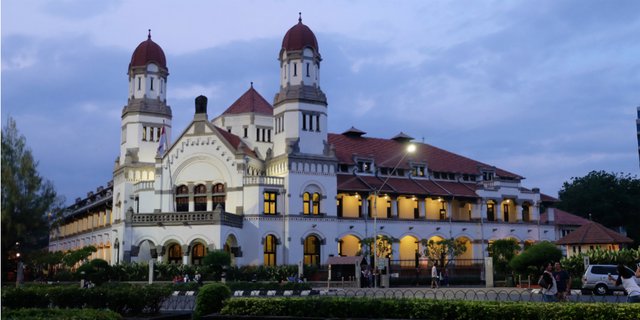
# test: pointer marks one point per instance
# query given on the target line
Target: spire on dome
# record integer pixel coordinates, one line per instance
(299, 17)
(149, 36)
(251, 84)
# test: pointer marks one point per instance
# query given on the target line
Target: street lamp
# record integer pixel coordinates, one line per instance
(410, 149)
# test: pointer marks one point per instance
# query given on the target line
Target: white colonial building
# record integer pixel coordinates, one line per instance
(269, 183)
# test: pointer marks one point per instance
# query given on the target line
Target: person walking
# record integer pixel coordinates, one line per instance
(548, 284)
(434, 276)
(626, 278)
(563, 281)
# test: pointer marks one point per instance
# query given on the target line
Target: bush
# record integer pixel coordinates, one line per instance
(46, 314)
(332, 307)
(122, 298)
(210, 299)
(535, 256)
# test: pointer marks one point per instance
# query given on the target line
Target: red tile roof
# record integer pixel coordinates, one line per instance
(250, 102)
(235, 141)
(146, 52)
(387, 153)
(564, 218)
(593, 233)
(299, 37)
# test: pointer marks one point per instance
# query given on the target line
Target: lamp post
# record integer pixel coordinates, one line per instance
(410, 149)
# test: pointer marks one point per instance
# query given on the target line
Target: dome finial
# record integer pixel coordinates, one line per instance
(149, 36)
(251, 84)
(299, 17)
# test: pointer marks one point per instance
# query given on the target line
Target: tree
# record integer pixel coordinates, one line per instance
(531, 260)
(502, 251)
(612, 199)
(217, 260)
(442, 249)
(27, 198)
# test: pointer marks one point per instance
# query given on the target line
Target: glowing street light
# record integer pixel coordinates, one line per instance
(410, 149)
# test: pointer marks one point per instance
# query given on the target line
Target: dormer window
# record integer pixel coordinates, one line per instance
(487, 176)
(418, 170)
(365, 166)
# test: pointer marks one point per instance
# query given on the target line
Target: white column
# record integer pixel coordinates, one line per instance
(185, 254)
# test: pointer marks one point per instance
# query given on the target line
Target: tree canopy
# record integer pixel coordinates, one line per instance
(612, 199)
(444, 250)
(502, 251)
(27, 198)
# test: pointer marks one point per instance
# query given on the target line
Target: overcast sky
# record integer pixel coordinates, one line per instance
(544, 89)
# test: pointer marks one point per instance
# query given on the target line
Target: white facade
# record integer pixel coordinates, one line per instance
(278, 188)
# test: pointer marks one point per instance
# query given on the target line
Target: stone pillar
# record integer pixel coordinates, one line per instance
(160, 253)
(394, 208)
(395, 249)
(498, 210)
(518, 212)
(185, 254)
(422, 209)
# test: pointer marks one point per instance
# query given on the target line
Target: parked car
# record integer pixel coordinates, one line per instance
(596, 279)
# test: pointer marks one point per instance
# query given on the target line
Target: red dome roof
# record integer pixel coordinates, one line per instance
(299, 37)
(148, 51)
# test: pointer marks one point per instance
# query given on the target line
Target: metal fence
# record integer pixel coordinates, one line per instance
(479, 294)
(186, 302)
(179, 301)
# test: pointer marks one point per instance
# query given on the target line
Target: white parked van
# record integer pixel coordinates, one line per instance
(596, 279)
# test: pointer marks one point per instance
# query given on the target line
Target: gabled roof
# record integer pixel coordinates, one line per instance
(250, 102)
(593, 233)
(235, 141)
(387, 153)
(564, 218)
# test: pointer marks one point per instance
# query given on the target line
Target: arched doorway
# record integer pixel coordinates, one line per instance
(312, 250)
(174, 254)
(468, 253)
(349, 246)
(270, 250)
(198, 251)
(231, 246)
(409, 247)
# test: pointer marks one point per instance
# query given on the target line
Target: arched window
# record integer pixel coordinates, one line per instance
(182, 198)
(197, 253)
(315, 205)
(219, 196)
(270, 243)
(175, 254)
(311, 203)
(312, 251)
(200, 198)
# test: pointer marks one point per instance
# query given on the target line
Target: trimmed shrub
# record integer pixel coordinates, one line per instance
(27, 297)
(122, 298)
(46, 314)
(210, 299)
(332, 307)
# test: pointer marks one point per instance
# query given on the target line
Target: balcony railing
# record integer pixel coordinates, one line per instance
(143, 185)
(187, 218)
(496, 184)
(264, 180)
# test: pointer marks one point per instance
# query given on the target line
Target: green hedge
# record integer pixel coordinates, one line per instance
(331, 307)
(210, 299)
(62, 314)
(122, 298)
